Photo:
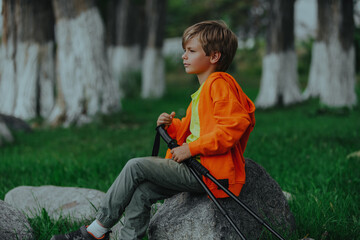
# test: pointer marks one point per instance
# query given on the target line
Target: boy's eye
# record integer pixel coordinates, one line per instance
(188, 50)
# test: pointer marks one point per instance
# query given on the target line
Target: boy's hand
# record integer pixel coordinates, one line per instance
(165, 119)
(181, 153)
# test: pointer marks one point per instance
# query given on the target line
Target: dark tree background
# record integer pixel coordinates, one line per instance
(94, 54)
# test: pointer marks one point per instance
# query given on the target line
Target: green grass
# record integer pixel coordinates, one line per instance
(44, 227)
(307, 154)
(303, 147)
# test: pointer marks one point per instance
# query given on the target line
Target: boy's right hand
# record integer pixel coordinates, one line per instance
(165, 119)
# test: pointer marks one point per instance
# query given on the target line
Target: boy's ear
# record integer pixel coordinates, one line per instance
(215, 57)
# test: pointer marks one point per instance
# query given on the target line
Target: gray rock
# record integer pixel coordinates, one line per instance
(5, 133)
(13, 224)
(195, 216)
(76, 203)
(14, 123)
(9, 124)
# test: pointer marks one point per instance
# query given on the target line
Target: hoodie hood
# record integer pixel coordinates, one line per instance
(241, 96)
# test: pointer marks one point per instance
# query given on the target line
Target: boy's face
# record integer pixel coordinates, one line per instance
(194, 58)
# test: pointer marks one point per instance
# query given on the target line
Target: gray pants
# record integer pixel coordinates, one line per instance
(141, 183)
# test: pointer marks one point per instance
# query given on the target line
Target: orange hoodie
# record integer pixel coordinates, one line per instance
(226, 117)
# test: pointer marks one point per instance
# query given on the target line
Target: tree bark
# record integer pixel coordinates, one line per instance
(124, 32)
(1, 21)
(27, 69)
(279, 82)
(84, 83)
(153, 67)
(332, 71)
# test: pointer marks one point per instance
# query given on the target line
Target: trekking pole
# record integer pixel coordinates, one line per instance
(172, 144)
(193, 165)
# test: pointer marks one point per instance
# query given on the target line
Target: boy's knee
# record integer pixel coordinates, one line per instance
(135, 163)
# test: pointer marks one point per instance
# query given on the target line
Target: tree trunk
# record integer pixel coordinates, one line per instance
(332, 71)
(153, 68)
(125, 18)
(84, 83)
(1, 21)
(279, 82)
(27, 69)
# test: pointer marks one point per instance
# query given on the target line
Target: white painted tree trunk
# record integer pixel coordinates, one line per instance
(84, 81)
(7, 78)
(332, 75)
(332, 72)
(279, 81)
(124, 35)
(339, 88)
(122, 60)
(1, 21)
(26, 76)
(153, 73)
(27, 67)
(153, 68)
(46, 79)
(318, 71)
(33, 74)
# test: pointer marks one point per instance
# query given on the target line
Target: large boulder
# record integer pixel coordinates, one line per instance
(195, 216)
(76, 203)
(13, 224)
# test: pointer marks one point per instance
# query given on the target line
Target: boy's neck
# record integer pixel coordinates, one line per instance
(202, 77)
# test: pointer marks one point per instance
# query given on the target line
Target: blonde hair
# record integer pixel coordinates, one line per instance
(214, 36)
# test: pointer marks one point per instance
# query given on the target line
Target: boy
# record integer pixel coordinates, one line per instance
(215, 129)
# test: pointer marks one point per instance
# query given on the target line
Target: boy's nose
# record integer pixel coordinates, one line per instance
(184, 55)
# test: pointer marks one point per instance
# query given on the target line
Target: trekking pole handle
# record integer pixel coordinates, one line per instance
(172, 143)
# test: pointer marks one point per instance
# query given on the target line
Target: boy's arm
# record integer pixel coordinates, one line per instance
(177, 123)
(169, 121)
(232, 121)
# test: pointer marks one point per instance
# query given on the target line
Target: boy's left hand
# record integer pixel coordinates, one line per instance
(181, 153)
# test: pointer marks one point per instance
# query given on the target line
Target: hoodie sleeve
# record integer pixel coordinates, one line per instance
(232, 119)
(173, 128)
(177, 124)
